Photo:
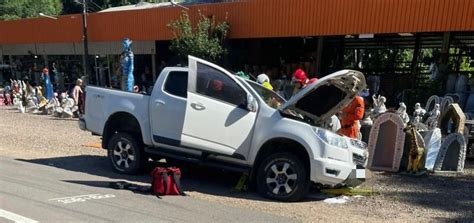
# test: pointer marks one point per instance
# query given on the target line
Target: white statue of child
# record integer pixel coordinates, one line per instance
(432, 120)
(402, 112)
(418, 113)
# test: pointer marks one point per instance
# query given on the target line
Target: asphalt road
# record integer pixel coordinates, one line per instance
(42, 192)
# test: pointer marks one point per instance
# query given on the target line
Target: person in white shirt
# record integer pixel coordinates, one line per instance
(77, 91)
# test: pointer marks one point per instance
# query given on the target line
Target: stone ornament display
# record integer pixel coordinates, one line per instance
(452, 120)
(432, 101)
(452, 154)
(386, 142)
(445, 102)
(432, 121)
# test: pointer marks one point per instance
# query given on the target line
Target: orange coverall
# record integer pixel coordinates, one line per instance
(350, 115)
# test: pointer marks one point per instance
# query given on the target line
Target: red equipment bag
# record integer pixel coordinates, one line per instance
(166, 181)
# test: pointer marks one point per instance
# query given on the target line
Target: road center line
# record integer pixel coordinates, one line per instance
(15, 217)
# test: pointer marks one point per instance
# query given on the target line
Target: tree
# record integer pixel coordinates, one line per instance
(17, 9)
(205, 40)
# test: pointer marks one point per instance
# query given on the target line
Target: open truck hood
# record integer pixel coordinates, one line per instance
(327, 96)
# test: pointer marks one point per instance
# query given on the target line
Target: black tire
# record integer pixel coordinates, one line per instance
(277, 182)
(125, 154)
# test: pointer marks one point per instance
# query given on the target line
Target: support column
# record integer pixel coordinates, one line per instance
(1, 55)
(45, 58)
(319, 54)
(153, 67)
(340, 54)
(446, 42)
(109, 71)
(416, 54)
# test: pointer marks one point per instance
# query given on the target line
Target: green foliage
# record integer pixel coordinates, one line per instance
(17, 9)
(205, 40)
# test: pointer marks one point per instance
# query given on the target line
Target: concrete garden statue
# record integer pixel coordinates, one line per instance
(379, 105)
(126, 60)
(418, 113)
(432, 120)
(402, 112)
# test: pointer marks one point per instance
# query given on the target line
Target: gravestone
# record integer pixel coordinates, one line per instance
(447, 100)
(451, 83)
(470, 103)
(456, 97)
(461, 84)
(365, 131)
(452, 120)
(432, 146)
(452, 154)
(386, 143)
(430, 104)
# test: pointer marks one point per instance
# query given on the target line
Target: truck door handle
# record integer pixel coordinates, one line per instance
(198, 106)
(159, 102)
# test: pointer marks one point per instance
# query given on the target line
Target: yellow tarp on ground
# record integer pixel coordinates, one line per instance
(93, 145)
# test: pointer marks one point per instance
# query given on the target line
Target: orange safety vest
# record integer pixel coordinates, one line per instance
(350, 115)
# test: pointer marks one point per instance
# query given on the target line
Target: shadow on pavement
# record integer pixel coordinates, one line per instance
(194, 178)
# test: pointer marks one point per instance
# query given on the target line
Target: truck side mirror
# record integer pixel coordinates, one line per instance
(251, 103)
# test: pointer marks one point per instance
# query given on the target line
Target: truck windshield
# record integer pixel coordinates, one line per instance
(271, 98)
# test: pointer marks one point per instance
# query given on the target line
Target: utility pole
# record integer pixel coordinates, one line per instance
(84, 39)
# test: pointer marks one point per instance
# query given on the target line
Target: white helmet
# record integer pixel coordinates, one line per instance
(262, 78)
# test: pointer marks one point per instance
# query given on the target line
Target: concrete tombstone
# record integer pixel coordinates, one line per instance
(434, 99)
(452, 154)
(452, 120)
(445, 102)
(470, 103)
(432, 146)
(386, 142)
(461, 84)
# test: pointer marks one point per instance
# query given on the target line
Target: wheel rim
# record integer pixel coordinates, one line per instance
(281, 178)
(123, 154)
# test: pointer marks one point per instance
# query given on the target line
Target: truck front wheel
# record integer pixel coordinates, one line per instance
(282, 176)
(125, 154)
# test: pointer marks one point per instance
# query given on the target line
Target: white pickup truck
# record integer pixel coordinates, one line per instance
(205, 113)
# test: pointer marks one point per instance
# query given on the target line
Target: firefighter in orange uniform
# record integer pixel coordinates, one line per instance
(350, 116)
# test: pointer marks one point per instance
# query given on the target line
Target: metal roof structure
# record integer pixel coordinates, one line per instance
(254, 19)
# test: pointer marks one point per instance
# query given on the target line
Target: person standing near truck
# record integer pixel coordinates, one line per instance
(301, 80)
(350, 117)
(264, 80)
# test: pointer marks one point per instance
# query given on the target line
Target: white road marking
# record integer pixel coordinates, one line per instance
(81, 198)
(15, 217)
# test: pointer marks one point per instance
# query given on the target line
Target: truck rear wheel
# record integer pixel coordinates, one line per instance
(282, 176)
(125, 154)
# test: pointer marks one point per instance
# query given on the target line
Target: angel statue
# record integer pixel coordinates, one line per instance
(379, 105)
